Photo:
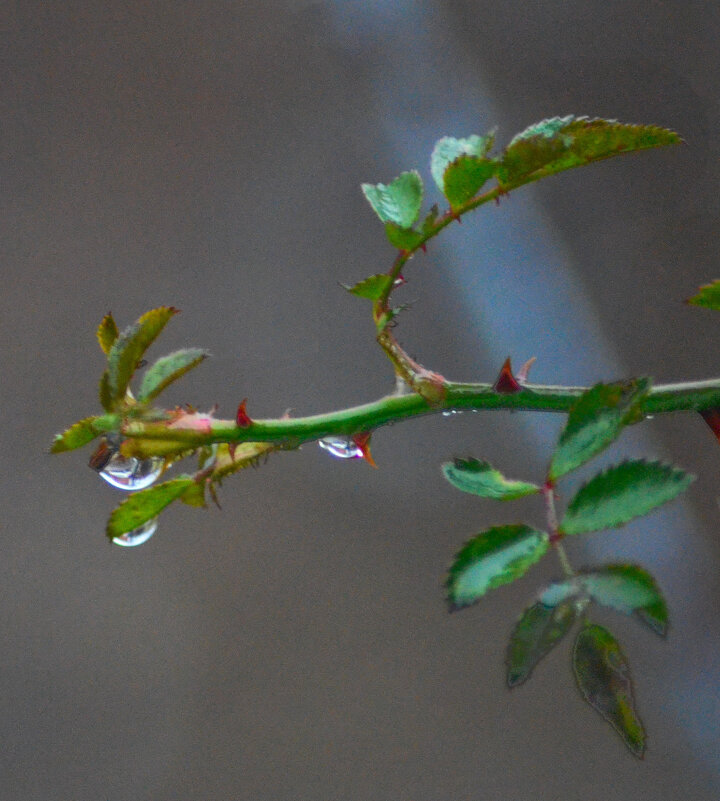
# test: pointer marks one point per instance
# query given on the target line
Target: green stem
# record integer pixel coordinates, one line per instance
(662, 399)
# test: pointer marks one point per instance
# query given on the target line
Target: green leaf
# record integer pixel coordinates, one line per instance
(142, 506)
(629, 589)
(448, 149)
(104, 393)
(76, 436)
(400, 201)
(497, 556)
(626, 588)
(603, 677)
(708, 296)
(465, 176)
(537, 632)
(621, 493)
(107, 333)
(405, 239)
(194, 495)
(481, 478)
(130, 346)
(168, 369)
(595, 421)
(372, 287)
(560, 143)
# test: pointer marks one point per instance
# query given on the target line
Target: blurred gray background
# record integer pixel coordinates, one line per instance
(295, 645)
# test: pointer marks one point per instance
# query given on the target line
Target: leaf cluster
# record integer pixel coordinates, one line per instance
(613, 497)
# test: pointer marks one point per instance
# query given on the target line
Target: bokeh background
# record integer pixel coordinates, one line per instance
(295, 645)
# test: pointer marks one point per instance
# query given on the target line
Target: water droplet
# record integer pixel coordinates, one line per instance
(341, 447)
(132, 473)
(451, 412)
(138, 535)
(649, 416)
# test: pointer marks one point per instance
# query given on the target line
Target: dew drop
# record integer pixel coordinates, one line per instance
(132, 473)
(451, 412)
(138, 535)
(341, 447)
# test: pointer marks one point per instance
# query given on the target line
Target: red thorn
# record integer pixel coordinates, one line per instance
(242, 418)
(362, 440)
(712, 418)
(506, 383)
(232, 447)
(424, 247)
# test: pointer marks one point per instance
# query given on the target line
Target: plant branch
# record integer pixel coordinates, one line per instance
(289, 432)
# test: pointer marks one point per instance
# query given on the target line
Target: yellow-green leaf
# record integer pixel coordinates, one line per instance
(142, 506)
(129, 347)
(107, 333)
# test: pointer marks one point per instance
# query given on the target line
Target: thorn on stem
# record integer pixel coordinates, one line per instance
(362, 440)
(242, 418)
(506, 383)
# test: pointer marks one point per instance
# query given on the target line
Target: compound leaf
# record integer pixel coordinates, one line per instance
(708, 296)
(400, 201)
(129, 347)
(560, 143)
(481, 478)
(595, 421)
(603, 677)
(168, 369)
(620, 493)
(538, 631)
(497, 556)
(142, 506)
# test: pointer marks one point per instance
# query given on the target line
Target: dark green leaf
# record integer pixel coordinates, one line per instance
(399, 202)
(497, 556)
(448, 149)
(603, 677)
(560, 143)
(142, 506)
(76, 436)
(595, 421)
(621, 493)
(628, 589)
(107, 333)
(465, 176)
(106, 399)
(372, 287)
(168, 369)
(130, 346)
(537, 632)
(405, 239)
(708, 296)
(481, 478)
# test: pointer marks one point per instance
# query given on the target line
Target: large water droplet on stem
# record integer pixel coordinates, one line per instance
(341, 447)
(132, 473)
(138, 535)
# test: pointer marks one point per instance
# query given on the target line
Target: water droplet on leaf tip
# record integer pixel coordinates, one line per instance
(138, 535)
(452, 412)
(341, 447)
(131, 473)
